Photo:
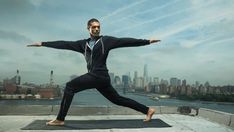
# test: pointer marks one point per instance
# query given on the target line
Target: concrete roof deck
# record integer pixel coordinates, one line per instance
(204, 121)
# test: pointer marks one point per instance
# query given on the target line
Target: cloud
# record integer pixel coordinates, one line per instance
(3, 52)
(122, 9)
(71, 56)
(161, 17)
(14, 36)
(9, 7)
(37, 3)
(200, 18)
(155, 9)
(195, 35)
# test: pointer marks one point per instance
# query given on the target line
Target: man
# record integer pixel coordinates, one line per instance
(95, 50)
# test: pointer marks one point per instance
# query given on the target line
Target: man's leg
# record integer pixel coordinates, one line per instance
(65, 103)
(111, 94)
(78, 84)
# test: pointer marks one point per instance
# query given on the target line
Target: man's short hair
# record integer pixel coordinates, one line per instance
(91, 21)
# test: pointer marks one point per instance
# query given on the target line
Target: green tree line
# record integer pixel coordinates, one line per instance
(208, 97)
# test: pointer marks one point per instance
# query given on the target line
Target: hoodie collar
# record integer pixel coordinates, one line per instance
(99, 38)
(95, 38)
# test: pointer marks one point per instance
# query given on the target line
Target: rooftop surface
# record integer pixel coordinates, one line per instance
(201, 120)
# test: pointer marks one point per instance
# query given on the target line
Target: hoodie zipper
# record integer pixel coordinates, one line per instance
(91, 59)
(92, 52)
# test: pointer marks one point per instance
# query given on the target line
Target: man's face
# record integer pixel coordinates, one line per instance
(94, 29)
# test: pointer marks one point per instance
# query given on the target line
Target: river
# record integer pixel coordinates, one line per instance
(93, 97)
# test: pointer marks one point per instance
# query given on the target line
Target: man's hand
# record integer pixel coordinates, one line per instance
(36, 44)
(154, 41)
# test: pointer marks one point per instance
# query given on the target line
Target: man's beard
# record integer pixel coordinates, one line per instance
(95, 33)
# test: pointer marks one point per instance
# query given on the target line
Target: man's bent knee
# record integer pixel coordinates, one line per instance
(69, 89)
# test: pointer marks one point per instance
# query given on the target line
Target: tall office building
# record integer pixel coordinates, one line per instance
(183, 88)
(139, 83)
(17, 78)
(135, 75)
(129, 78)
(112, 77)
(134, 78)
(156, 81)
(117, 80)
(146, 78)
(197, 85)
(184, 83)
(173, 82)
(125, 80)
(165, 82)
(207, 84)
(178, 82)
(163, 86)
(145, 72)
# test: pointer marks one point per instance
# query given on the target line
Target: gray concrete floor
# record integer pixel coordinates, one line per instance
(179, 123)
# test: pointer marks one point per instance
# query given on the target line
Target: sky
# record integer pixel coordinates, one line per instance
(197, 38)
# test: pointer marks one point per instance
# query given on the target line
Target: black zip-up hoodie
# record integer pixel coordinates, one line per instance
(96, 58)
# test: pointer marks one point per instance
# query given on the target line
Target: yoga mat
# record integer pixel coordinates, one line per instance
(97, 124)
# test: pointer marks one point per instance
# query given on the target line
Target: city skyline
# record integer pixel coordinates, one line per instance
(51, 79)
(12, 88)
(197, 38)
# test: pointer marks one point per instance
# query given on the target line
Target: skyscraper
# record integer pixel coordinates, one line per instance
(139, 84)
(17, 78)
(156, 81)
(117, 80)
(125, 80)
(135, 74)
(184, 83)
(134, 78)
(112, 77)
(145, 72)
(146, 78)
(173, 82)
(129, 78)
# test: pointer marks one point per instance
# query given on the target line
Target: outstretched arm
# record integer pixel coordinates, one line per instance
(128, 42)
(70, 45)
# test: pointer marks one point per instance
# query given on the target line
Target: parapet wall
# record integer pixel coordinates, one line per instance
(212, 115)
(78, 110)
(217, 116)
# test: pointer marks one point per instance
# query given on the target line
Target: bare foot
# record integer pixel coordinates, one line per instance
(149, 115)
(55, 123)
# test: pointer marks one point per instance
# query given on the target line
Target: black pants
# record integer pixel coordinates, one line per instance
(103, 85)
